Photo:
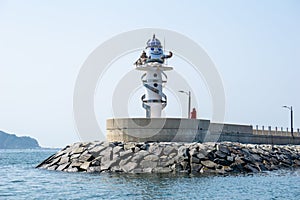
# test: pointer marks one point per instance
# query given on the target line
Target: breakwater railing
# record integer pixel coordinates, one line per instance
(275, 132)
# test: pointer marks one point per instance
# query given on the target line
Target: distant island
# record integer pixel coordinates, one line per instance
(11, 141)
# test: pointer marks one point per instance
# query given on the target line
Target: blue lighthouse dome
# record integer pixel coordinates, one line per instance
(154, 42)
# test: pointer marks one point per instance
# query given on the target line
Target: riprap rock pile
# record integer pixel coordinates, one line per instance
(220, 158)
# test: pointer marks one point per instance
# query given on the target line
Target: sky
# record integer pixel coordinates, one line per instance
(255, 46)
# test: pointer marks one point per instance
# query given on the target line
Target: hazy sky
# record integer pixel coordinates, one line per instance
(255, 46)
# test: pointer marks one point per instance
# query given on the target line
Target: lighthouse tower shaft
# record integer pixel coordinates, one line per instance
(154, 100)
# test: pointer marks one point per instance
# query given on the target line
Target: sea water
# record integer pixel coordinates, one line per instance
(20, 180)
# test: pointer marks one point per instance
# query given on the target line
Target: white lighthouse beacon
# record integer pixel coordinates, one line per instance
(153, 63)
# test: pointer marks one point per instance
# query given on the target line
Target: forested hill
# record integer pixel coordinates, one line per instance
(11, 141)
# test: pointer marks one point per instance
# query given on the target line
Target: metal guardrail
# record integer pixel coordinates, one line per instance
(275, 132)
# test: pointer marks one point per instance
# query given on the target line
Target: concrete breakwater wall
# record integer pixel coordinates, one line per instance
(190, 130)
(201, 158)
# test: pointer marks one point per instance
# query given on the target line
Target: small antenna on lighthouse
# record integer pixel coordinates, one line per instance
(166, 62)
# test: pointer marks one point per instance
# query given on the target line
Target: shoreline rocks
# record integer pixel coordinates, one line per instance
(171, 157)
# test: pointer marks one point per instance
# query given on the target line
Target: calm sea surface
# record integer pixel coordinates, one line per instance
(20, 180)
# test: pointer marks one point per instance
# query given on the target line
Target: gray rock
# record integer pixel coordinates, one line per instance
(78, 150)
(85, 165)
(256, 157)
(237, 166)
(129, 146)
(273, 167)
(209, 164)
(137, 158)
(183, 151)
(227, 169)
(129, 166)
(251, 168)
(261, 167)
(194, 152)
(107, 159)
(205, 170)
(223, 149)
(108, 144)
(125, 154)
(274, 161)
(106, 152)
(162, 170)
(220, 154)
(220, 171)
(176, 167)
(151, 157)
(62, 167)
(72, 148)
(222, 162)
(170, 162)
(148, 164)
(109, 164)
(294, 156)
(64, 159)
(92, 145)
(248, 159)
(44, 166)
(94, 169)
(143, 146)
(297, 162)
(172, 155)
(55, 161)
(85, 157)
(96, 162)
(60, 153)
(196, 167)
(257, 151)
(53, 167)
(85, 144)
(202, 156)
(163, 163)
(73, 169)
(185, 166)
(143, 153)
(164, 158)
(74, 156)
(230, 158)
(136, 149)
(75, 164)
(287, 162)
(155, 149)
(169, 149)
(238, 160)
(137, 171)
(282, 157)
(245, 152)
(116, 169)
(195, 160)
(96, 150)
(124, 161)
(147, 170)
